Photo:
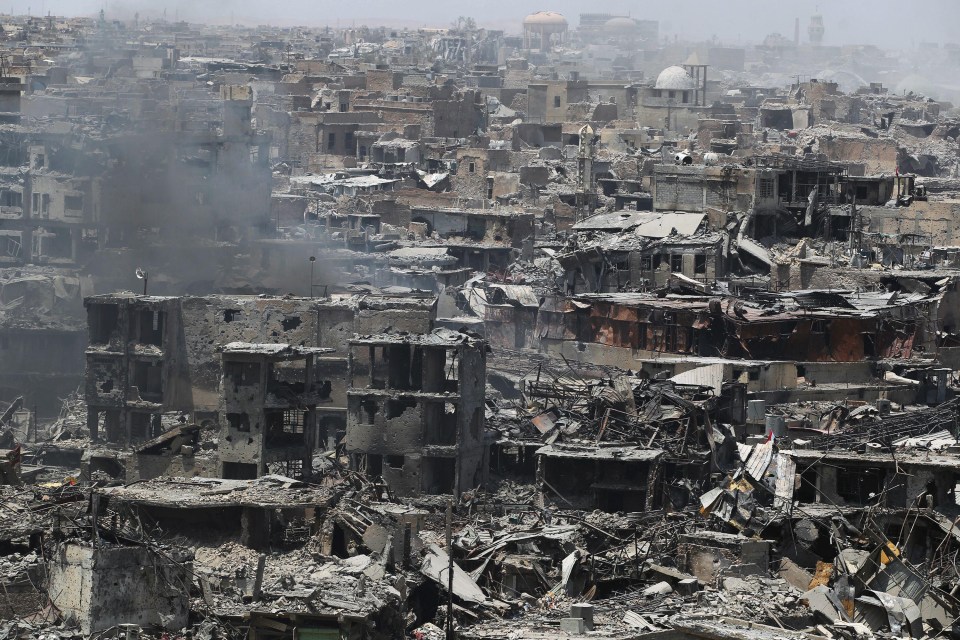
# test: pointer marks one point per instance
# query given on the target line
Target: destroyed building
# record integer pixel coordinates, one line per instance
(270, 400)
(415, 413)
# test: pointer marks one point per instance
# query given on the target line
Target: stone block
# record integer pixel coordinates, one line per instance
(585, 611)
(573, 626)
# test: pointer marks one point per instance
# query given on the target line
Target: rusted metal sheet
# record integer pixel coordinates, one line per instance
(895, 344)
(557, 326)
(546, 420)
(702, 322)
(615, 333)
(615, 312)
(846, 338)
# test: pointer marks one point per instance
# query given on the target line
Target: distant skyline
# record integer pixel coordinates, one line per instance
(889, 23)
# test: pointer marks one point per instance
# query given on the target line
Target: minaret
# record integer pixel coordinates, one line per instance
(815, 29)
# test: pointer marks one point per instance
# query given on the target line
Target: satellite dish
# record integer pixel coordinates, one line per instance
(141, 274)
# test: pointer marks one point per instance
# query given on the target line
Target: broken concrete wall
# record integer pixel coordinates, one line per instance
(267, 412)
(32, 353)
(390, 431)
(136, 367)
(101, 587)
(472, 463)
(708, 555)
(213, 321)
(470, 180)
(106, 381)
(415, 415)
(62, 199)
(694, 188)
(335, 326)
(937, 222)
(459, 116)
(243, 426)
(876, 155)
(372, 318)
(140, 466)
(504, 184)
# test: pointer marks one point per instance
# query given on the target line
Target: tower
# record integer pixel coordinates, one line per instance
(584, 194)
(815, 29)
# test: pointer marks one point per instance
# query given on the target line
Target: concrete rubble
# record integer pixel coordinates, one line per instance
(544, 332)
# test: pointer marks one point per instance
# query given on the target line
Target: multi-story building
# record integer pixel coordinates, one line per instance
(151, 355)
(269, 397)
(133, 372)
(415, 410)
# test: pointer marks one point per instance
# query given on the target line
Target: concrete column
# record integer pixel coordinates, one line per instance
(255, 528)
(92, 424)
(309, 439)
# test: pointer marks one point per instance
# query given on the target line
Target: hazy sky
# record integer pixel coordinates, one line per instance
(893, 23)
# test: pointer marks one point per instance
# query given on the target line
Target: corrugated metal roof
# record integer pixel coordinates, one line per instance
(437, 337)
(759, 460)
(710, 375)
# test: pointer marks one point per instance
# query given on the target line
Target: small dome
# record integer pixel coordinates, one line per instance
(675, 79)
(620, 25)
(545, 19)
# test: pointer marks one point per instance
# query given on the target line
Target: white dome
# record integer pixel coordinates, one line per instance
(545, 18)
(675, 79)
(620, 25)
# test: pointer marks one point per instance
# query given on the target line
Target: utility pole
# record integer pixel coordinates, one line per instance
(450, 570)
(855, 219)
(584, 194)
(313, 261)
(143, 275)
